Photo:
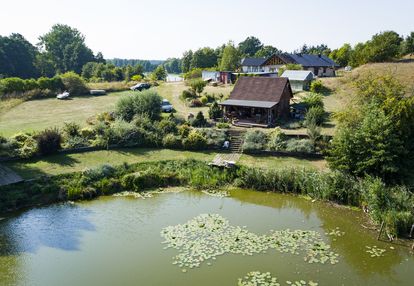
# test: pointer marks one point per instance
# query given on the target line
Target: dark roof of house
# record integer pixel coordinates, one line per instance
(255, 62)
(258, 91)
(307, 60)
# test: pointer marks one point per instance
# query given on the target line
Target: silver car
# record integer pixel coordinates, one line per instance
(166, 106)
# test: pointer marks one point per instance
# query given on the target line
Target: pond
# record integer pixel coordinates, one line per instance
(118, 241)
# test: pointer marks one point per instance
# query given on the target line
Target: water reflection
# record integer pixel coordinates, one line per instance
(59, 226)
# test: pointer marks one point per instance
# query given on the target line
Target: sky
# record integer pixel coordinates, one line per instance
(155, 29)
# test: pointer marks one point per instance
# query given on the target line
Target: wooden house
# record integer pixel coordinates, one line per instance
(320, 65)
(258, 101)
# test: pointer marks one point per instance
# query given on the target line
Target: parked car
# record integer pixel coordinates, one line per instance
(140, 86)
(166, 106)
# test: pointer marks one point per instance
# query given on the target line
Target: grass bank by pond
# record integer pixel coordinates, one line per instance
(66, 163)
(392, 205)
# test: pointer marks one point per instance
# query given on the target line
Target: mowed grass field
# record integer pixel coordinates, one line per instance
(66, 163)
(35, 115)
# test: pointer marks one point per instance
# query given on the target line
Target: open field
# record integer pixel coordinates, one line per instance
(35, 115)
(65, 163)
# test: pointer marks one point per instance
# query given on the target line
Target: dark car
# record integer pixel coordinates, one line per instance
(141, 86)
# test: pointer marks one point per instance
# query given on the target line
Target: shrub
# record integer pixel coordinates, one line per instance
(25, 146)
(222, 125)
(215, 111)
(49, 141)
(255, 140)
(30, 84)
(314, 116)
(76, 142)
(277, 140)
(87, 133)
(146, 102)
(313, 100)
(126, 134)
(317, 87)
(53, 84)
(214, 137)
(150, 178)
(93, 175)
(71, 129)
(302, 146)
(73, 83)
(199, 120)
(12, 84)
(184, 130)
(166, 126)
(171, 141)
(196, 103)
(186, 94)
(195, 141)
(204, 100)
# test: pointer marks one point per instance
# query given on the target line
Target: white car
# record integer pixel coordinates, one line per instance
(63, 95)
(166, 106)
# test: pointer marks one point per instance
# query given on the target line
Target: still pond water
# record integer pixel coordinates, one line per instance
(117, 241)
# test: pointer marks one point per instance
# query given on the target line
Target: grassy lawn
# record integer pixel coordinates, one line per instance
(65, 163)
(35, 115)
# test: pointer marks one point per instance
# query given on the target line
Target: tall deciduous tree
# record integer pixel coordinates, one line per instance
(230, 59)
(66, 48)
(186, 61)
(204, 58)
(408, 45)
(250, 46)
(17, 57)
(267, 51)
(342, 56)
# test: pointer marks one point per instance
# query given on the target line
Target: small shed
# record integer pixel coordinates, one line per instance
(210, 76)
(299, 79)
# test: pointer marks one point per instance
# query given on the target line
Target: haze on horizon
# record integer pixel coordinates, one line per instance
(161, 29)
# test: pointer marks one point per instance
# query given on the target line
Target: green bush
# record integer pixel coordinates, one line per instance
(215, 137)
(215, 111)
(75, 142)
(204, 100)
(223, 125)
(150, 178)
(126, 134)
(71, 129)
(313, 100)
(186, 94)
(12, 84)
(301, 145)
(199, 120)
(195, 141)
(317, 87)
(277, 140)
(255, 140)
(166, 126)
(171, 141)
(54, 83)
(49, 141)
(24, 145)
(73, 83)
(314, 116)
(146, 102)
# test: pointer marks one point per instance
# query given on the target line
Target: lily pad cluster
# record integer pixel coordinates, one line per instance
(256, 278)
(217, 193)
(375, 251)
(335, 232)
(207, 236)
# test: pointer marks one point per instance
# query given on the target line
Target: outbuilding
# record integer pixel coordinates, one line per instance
(299, 79)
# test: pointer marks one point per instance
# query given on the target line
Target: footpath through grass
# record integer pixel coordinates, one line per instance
(66, 163)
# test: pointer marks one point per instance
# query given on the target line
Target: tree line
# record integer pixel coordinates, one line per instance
(63, 49)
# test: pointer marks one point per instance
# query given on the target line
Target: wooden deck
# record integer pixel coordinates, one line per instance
(8, 177)
(225, 160)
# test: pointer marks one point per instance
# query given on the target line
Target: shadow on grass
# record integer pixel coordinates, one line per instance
(28, 169)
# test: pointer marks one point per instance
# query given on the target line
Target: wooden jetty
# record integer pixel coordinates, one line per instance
(225, 160)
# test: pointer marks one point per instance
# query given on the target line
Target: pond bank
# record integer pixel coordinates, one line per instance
(327, 186)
